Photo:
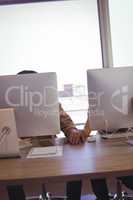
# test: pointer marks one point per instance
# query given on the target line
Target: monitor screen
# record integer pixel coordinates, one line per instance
(110, 93)
(34, 98)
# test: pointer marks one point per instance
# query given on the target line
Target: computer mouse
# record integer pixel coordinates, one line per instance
(91, 138)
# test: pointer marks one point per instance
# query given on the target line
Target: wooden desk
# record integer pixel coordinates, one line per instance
(98, 159)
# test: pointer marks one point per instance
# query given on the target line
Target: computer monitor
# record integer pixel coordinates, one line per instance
(34, 98)
(110, 94)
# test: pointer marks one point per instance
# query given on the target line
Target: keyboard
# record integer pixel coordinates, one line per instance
(40, 152)
(117, 135)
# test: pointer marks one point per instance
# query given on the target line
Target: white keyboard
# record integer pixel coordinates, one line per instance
(43, 150)
(40, 152)
(117, 135)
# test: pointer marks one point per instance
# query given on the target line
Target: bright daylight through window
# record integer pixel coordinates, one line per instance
(121, 16)
(61, 36)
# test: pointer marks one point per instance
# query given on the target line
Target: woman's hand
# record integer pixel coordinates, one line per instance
(77, 136)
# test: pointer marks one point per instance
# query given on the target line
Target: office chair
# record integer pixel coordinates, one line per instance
(120, 195)
(16, 192)
(48, 196)
(73, 192)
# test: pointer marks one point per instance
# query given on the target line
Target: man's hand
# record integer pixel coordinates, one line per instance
(77, 136)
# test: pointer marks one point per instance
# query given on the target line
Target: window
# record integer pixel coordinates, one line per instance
(121, 17)
(61, 36)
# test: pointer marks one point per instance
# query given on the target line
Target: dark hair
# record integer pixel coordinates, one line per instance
(27, 72)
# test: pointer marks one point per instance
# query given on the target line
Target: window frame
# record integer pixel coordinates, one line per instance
(105, 33)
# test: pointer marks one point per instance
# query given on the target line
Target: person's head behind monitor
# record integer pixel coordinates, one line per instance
(27, 72)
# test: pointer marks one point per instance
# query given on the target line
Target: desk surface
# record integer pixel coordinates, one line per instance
(89, 160)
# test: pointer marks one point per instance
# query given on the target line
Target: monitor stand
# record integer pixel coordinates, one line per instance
(107, 130)
(42, 141)
(126, 133)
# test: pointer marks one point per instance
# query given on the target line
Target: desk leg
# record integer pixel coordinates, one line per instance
(16, 192)
(73, 190)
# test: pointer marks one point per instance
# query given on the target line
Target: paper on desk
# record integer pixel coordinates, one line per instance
(43, 152)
